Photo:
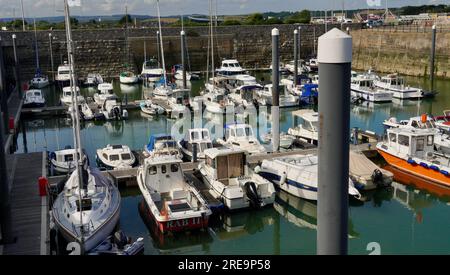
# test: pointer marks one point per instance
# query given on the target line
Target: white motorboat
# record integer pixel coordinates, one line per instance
(241, 136)
(87, 214)
(105, 91)
(63, 75)
(177, 71)
(93, 79)
(178, 104)
(174, 204)
(63, 161)
(290, 66)
(365, 174)
(112, 109)
(161, 144)
(296, 89)
(364, 88)
(128, 78)
(85, 111)
(396, 84)
(313, 65)
(286, 140)
(199, 137)
(307, 127)
(231, 181)
(151, 70)
(114, 157)
(39, 81)
(217, 103)
(162, 91)
(149, 108)
(66, 97)
(441, 139)
(230, 67)
(264, 96)
(33, 98)
(297, 175)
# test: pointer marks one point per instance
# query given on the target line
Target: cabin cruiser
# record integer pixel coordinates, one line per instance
(115, 157)
(290, 66)
(63, 75)
(105, 91)
(93, 79)
(178, 103)
(177, 71)
(241, 136)
(365, 89)
(412, 152)
(313, 65)
(39, 81)
(128, 78)
(89, 213)
(66, 97)
(396, 85)
(286, 140)
(297, 175)
(441, 139)
(308, 126)
(296, 89)
(231, 181)
(243, 95)
(85, 111)
(33, 98)
(218, 103)
(63, 161)
(149, 108)
(199, 137)
(264, 96)
(151, 70)
(174, 204)
(161, 144)
(112, 109)
(230, 67)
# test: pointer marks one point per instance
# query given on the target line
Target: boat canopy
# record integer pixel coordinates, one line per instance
(167, 139)
(310, 90)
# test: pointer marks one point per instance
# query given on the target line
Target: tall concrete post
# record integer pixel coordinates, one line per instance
(3, 90)
(183, 51)
(295, 57)
(299, 43)
(432, 56)
(275, 93)
(334, 57)
(16, 67)
(51, 55)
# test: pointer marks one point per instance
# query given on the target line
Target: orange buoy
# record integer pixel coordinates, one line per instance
(423, 118)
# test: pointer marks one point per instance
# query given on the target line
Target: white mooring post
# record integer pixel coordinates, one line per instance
(275, 93)
(334, 57)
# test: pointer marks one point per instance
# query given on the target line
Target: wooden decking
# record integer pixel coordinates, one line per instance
(28, 209)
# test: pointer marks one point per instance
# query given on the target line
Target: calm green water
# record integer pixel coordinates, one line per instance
(403, 220)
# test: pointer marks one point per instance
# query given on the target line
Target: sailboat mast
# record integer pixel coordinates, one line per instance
(126, 33)
(75, 114)
(35, 45)
(212, 40)
(161, 45)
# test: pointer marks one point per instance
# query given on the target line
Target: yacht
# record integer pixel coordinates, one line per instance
(396, 85)
(230, 67)
(114, 157)
(112, 109)
(149, 108)
(174, 204)
(33, 98)
(151, 70)
(66, 97)
(162, 144)
(93, 79)
(39, 81)
(199, 137)
(412, 152)
(128, 78)
(308, 126)
(230, 180)
(63, 75)
(365, 89)
(241, 136)
(264, 96)
(105, 91)
(296, 89)
(297, 175)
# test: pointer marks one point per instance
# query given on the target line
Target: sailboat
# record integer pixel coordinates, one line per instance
(39, 80)
(88, 208)
(128, 77)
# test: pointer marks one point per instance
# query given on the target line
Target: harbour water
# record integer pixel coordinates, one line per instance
(403, 220)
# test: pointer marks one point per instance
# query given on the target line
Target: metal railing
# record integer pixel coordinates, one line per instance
(411, 28)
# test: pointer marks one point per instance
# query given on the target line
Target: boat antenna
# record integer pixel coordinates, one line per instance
(161, 44)
(36, 46)
(75, 116)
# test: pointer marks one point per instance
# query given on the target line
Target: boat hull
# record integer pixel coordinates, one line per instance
(416, 170)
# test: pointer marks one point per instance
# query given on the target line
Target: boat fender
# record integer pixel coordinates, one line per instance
(283, 178)
(424, 165)
(377, 177)
(252, 194)
(411, 161)
(445, 173)
(434, 167)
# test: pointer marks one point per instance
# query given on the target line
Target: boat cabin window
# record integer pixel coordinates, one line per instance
(68, 158)
(225, 65)
(210, 162)
(174, 168)
(205, 134)
(415, 124)
(64, 72)
(205, 145)
(195, 135)
(152, 170)
(403, 140)
(393, 137)
(163, 169)
(420, 144)
(37, 93)
(430, 140)
(85, 203)
(126, 156)
(114, 157)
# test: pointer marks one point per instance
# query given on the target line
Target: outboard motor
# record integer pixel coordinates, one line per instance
(120, 239)
(377, 177)
(252, 194)
(116, 112)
